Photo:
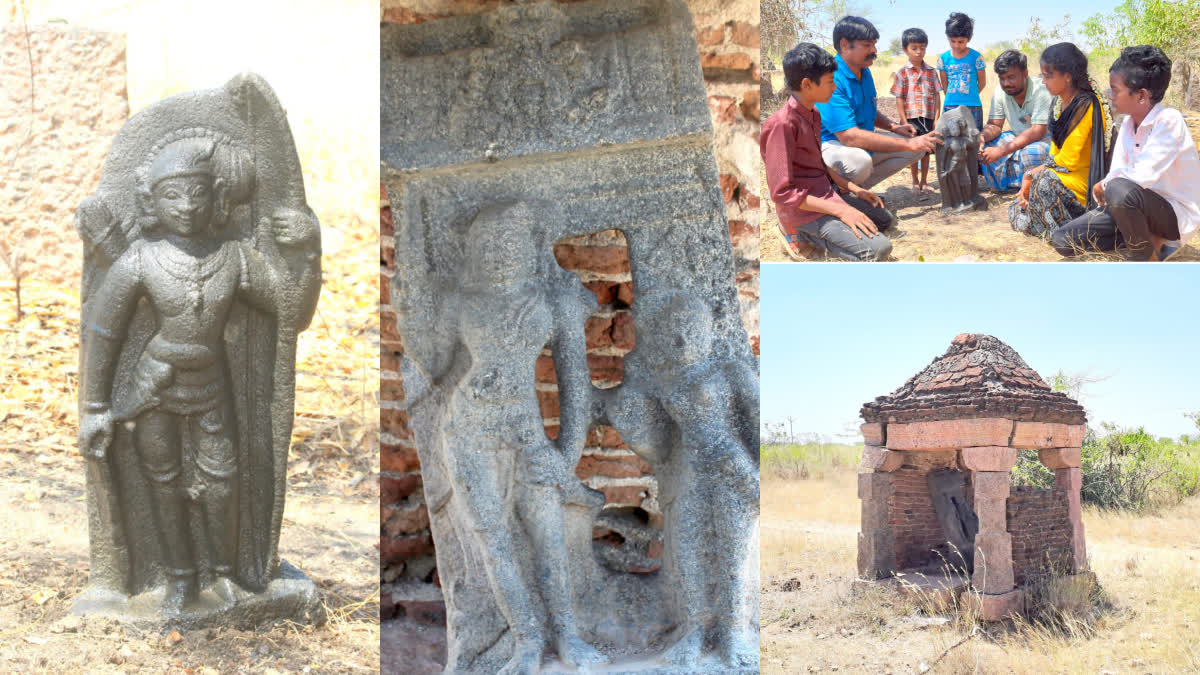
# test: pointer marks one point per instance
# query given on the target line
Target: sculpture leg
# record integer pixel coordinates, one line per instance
(686, 540)
(216, 458)
(541, 509)
(157, 438)
(475, 477)
(733, 505)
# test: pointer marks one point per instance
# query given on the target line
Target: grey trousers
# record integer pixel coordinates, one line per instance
(831, 234)
(864, 168)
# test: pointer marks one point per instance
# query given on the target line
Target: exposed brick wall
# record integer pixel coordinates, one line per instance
(52, 154)
(1041, 533)
(910, 509)
(729, 56)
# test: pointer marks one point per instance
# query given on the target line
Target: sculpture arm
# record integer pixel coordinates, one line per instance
(105, 326)
(574, 381)
(284, 277)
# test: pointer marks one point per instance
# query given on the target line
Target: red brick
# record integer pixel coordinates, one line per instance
(399, 548)
(394, 422)
(710, 37)
(729, 187)
(723, 109)
(398, 522)
(544, 370)
(385, 289)
(398, 458)
(750, 105)
(387, 326)
(389, 359)
(604, 436)
(622, 331)
(387, 226)
(717, 64)
(598, 332)
(552, 431)
(391, 389)
(606, 291)
(606, 368)
(739, 229)
(625, 495)
(597, 259)
(387, 255)
(612, 467)
(625, 293)
(393, 489)
(548, 403)
(655, 549)
(750, 200)
(744, 34)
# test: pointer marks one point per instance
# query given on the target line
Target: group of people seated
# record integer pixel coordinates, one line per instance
(1081, 185)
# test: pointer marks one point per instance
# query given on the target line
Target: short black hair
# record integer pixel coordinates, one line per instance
(1009, 59)
(911, 35)
(960, 25)
(806, 61)
(853, 28)
(1144, 67)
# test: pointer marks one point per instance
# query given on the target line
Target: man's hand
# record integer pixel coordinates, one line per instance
(905, 129)
(1098, 193)
(989, 155)
(865, 195)
(926, 143)
(858, 222)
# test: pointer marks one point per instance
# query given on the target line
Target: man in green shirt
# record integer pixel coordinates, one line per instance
(1025, 104)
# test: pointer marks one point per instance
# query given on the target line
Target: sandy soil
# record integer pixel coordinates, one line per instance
(815, 621)
(329, 532)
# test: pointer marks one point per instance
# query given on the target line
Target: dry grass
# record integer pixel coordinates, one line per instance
(813, 620)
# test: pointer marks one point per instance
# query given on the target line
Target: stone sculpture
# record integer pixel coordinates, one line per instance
(958, 161)
(201, 265)
(936, 497)
(478, 295)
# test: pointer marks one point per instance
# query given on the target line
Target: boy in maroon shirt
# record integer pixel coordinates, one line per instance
(845, 221)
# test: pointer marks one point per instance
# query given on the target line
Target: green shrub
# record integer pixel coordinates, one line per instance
(801, 461)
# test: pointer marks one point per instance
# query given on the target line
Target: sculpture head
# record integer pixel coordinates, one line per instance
(500, 246)
(677, 329)
(190, 181)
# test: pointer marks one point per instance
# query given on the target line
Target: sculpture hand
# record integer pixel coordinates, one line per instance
(293, 228)
(95, 434)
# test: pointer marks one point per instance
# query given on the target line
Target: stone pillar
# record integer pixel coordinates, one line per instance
(876, 543)
(1068, 478)
(992, 578)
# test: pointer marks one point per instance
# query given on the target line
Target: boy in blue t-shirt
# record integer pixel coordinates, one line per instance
(962, 70)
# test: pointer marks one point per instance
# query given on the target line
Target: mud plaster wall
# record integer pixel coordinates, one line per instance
(911, 515)
(727, 33)
(1040, 525)
(54, 133)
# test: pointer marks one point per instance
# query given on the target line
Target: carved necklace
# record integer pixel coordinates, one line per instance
(193, 270)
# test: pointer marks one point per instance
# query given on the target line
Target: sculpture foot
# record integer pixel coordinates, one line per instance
(579, 654)
(227, 590)
(179, 591)
(687, 650)
(736, 649)
(526, 659)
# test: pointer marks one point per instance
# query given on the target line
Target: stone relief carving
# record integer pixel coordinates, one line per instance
(201, 265)
(958, 161)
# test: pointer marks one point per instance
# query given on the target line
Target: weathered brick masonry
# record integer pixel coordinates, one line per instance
(1040, 524)
(48, 140)
(728, 37)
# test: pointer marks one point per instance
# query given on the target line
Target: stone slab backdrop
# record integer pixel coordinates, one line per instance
(503, 133)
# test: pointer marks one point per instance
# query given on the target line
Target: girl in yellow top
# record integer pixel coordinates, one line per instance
(1078, 151)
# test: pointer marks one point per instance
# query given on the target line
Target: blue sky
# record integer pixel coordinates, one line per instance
(837, 335)
(993, 22)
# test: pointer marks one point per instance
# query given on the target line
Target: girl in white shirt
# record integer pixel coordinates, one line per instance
(1148, 199)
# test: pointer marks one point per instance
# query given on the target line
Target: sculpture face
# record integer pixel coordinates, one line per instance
(184, 204)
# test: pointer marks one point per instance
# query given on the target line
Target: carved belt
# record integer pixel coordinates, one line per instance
(186, 356)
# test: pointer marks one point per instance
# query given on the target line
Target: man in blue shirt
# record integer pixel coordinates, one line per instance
(849, 143)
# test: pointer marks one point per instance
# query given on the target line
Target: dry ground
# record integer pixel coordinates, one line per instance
(330, 528)
(1148, 566)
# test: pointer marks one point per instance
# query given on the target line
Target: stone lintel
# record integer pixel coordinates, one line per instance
(1038, 435)
(950, 434)
(994, 606)
(873, 433)
(1061, 458)
(989, 458)
(881, 459)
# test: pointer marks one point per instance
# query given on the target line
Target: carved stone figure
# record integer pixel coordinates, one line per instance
(480, 196)
(201, 264)
(958, 161)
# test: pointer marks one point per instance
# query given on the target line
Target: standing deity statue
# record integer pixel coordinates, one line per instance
(202, 263)
(958, 162)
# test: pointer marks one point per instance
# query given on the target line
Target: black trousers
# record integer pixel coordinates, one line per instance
(1133, 213)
